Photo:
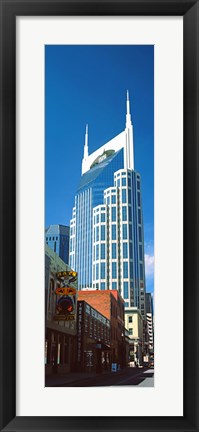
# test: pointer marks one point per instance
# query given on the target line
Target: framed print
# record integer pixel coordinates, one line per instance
(86, 367)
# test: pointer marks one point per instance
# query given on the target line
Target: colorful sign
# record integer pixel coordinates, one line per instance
(66, 296)
(65, 291)
(67, 276)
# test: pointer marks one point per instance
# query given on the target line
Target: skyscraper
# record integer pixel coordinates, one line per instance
(57, 238)
(106, 229)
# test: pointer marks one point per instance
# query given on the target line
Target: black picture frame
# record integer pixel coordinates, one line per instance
(9, 11)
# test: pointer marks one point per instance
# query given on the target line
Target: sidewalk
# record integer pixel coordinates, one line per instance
(68, 378)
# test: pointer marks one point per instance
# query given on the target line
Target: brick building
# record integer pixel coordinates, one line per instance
(93, 339)
(110, 304)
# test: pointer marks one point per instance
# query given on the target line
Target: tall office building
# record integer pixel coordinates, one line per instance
(57, 238)
(106, 229)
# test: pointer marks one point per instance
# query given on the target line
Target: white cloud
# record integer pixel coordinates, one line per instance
(149, 265)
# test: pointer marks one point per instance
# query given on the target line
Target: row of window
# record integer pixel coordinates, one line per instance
(102, 251)
(102, 275)
(96, 233)
(118, 182)
(113, 233)
(114, 230)
(99, 208)
(98, 219)
(51, 238)
(113, 215)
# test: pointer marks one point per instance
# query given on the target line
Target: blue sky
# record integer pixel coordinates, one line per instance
(87, 84)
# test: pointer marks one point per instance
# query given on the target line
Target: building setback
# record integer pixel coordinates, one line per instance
(57, 238)
(106, 229)
(111, 305)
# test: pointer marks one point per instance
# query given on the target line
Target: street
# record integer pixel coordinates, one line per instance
(142, 377)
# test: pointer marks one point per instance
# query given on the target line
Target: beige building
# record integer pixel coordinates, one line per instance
(134, 325)
(60, 314)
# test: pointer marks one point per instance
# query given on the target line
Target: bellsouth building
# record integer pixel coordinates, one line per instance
(106, 229)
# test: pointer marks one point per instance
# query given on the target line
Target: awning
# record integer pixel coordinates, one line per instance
(102, 346)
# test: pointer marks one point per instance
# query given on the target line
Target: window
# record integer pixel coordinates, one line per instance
(102, 232)
(124, 181)
(97, 234)
(114, 256)
(118, 182)
(130, 232)
(124, 231)
(123, 195)
(102, 285)
(139, 203)
(140, 234)
(97, 271)
(141, 271)
(126, 293)
(103, 270)
(114, 285)
(140, 252)
(102, 251)
(124, 213)
(125, 250)
(131, 250)
(113, 217)
(125, 269)
(114, 270)
(114, 232)
(97, 252)
(102, 217)
(130, 331)
(130, 319)
(97, 219)
(113, 199)
(139, 216)
(129, 195)
(130, 214)
(138, 184)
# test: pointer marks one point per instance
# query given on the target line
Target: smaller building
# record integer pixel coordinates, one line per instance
(93, 339)
(57, 238)
(60, 315)
(150, 324)
(110, 304)
(134, 325)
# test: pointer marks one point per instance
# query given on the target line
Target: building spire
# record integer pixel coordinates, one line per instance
(86, 143)
(129, 150)
(128, 114)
